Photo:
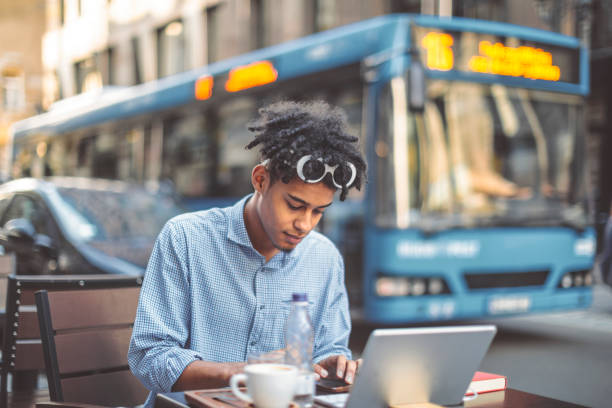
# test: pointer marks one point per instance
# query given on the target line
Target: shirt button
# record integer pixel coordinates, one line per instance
(253, 343)
(262, 307)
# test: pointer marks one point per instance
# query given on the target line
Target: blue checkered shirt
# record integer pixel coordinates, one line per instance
(209, 295)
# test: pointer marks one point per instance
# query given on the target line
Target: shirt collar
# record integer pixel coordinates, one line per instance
(237, 231)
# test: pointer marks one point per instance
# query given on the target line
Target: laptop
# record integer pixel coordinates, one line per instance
(416, 365)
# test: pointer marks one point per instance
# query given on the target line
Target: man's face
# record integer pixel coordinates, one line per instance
(288, 212)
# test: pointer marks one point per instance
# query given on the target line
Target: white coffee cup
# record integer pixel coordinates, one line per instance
(268, 385)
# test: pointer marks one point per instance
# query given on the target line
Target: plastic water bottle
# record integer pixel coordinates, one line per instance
(299, 339)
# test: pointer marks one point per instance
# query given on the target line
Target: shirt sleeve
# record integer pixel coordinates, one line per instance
(158, 353)
(332, 334)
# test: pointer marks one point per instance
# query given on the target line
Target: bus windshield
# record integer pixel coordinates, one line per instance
(479, 155)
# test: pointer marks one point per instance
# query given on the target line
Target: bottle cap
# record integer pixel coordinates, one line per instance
(300, 297)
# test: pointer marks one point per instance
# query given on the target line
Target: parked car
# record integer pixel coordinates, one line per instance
(66, 225)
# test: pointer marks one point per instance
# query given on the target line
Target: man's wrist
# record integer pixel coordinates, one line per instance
(231, 369)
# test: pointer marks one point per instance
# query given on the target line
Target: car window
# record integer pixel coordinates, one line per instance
(104, 215)
(4, 201)
(26, 207)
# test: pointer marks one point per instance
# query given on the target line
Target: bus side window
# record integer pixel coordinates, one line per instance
(4, 201)
(235, 162)
(351, 102)
(188, 154)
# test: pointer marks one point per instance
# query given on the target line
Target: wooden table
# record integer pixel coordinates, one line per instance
(512, 398)
(509, 398)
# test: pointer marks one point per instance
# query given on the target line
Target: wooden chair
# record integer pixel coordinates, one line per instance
(8, 266)
(85, 337)
(22, 353)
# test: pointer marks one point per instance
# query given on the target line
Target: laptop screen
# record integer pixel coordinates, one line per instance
(413, 365)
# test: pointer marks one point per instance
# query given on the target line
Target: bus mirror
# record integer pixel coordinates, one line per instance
(416, 86)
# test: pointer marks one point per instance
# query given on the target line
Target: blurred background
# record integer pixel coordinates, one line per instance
(491, 206)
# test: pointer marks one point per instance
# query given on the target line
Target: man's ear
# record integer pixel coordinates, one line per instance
(260, 178)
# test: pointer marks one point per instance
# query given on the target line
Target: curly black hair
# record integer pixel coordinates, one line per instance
(289, 130)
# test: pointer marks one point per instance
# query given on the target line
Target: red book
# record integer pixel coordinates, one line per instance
(486, 382)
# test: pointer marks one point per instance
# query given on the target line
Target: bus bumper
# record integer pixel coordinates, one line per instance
(440, 308)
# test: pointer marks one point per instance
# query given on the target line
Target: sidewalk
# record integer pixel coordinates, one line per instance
(27, 399)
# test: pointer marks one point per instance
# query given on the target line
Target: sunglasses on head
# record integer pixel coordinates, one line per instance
(311, 170)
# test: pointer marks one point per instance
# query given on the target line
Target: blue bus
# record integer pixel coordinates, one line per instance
(478, 202)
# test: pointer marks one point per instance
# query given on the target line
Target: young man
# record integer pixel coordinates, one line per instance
(219, 282)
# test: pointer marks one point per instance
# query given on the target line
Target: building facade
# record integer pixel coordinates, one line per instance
(21, 69)
(95, 43)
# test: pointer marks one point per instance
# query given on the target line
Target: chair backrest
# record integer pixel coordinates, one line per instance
(8, 266)
(86, 336)
(22, 347)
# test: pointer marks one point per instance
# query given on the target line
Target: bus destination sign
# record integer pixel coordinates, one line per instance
(496, 55)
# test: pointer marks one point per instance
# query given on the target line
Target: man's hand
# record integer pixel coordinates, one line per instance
(338, 366)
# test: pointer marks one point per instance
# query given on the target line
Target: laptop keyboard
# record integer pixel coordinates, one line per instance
(332, 400)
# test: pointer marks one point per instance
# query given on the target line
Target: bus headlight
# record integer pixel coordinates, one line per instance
(436, 286)
(393, 286)
(578, 278)
(418, 287)
(566, 281)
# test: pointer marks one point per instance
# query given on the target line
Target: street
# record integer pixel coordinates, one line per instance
(566, 356)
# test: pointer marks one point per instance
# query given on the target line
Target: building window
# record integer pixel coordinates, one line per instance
(494, 10)
(137, 72)
(212, 32)
(104, 62)
(13, 91)
(324, 14)
(62, 11)
(171, 49)
(86, 76)
(257, 24)
(405, 6)
(94, 72)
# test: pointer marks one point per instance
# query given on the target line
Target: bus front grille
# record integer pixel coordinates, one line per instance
(487, 280)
